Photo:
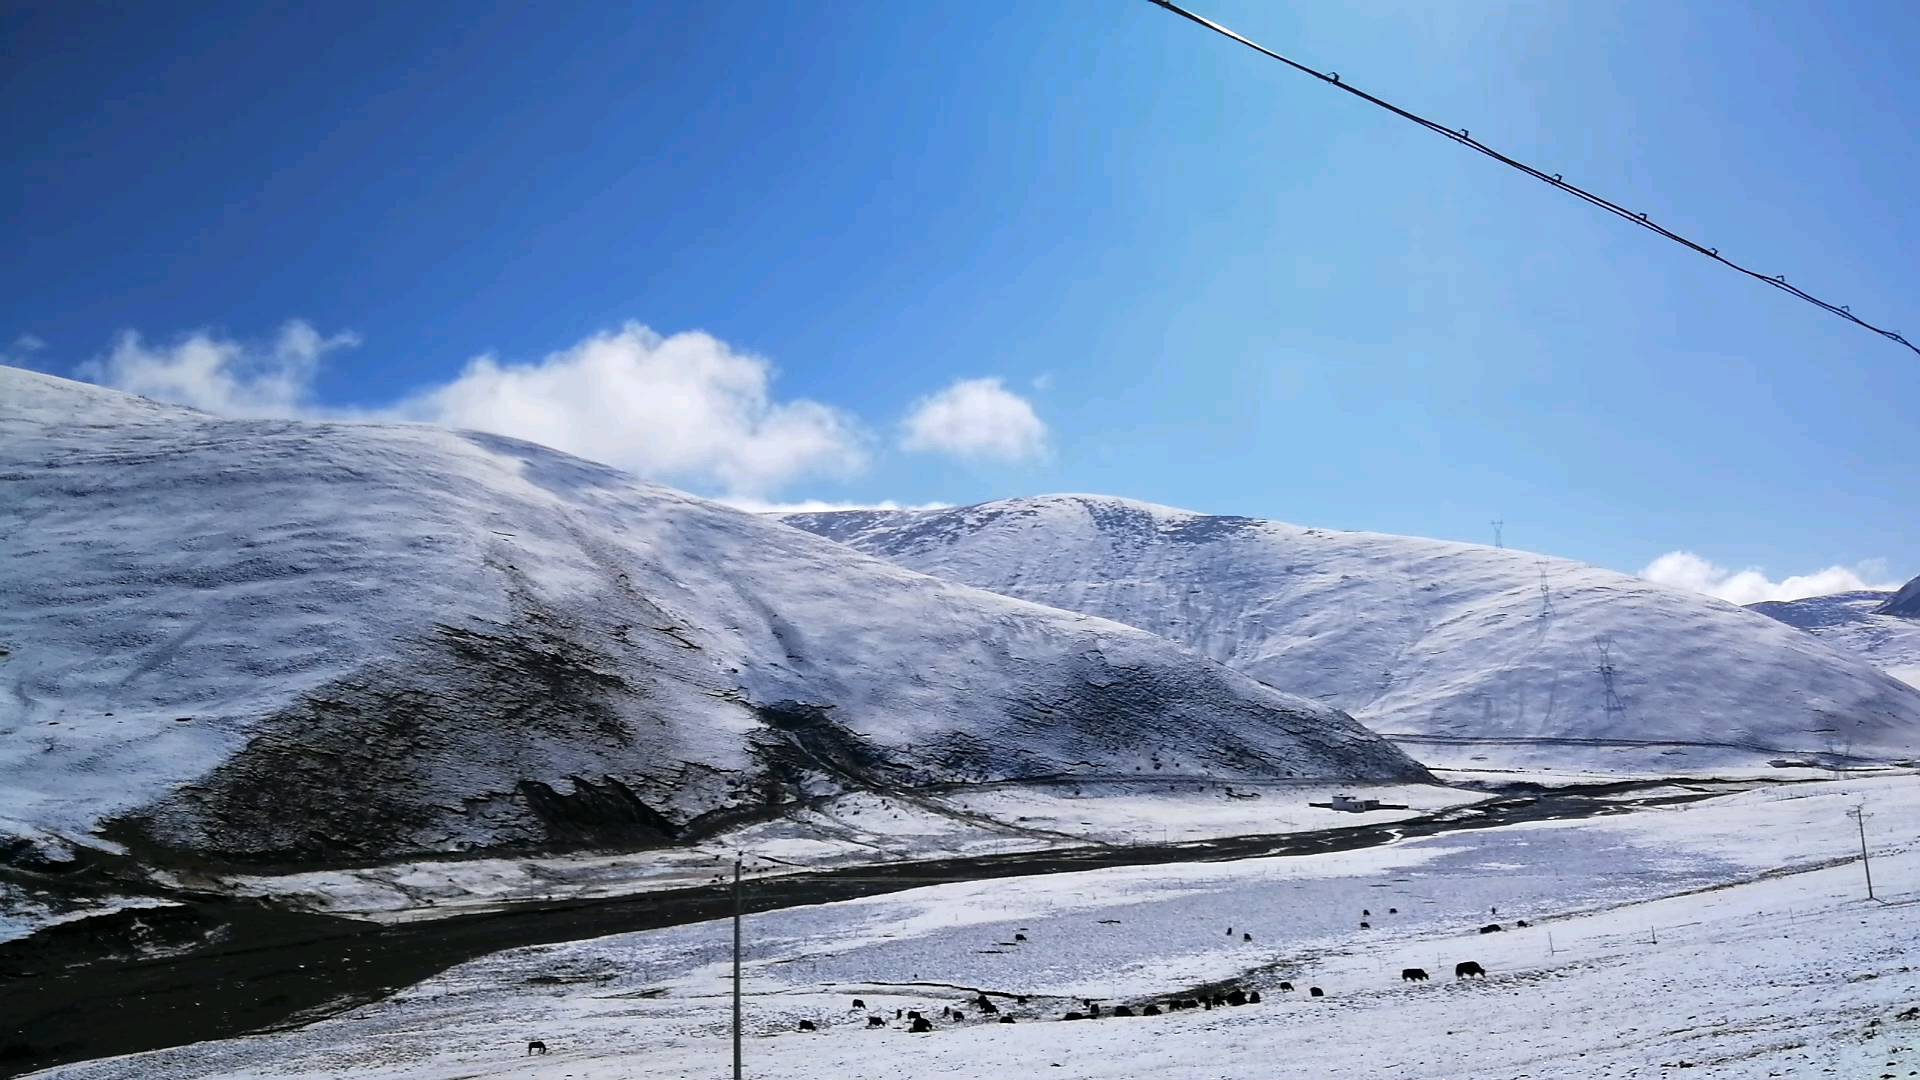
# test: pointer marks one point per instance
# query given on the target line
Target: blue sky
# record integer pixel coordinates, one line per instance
(1198, 277)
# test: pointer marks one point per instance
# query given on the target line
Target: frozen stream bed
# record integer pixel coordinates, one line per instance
(1730, 934)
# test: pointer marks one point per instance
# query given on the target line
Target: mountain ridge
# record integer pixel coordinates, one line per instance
(1465, 654)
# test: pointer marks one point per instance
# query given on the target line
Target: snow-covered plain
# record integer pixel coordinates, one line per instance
(1727, 937)
(1859, 623)
(306, 644)
(859, 829)
(1469, 656)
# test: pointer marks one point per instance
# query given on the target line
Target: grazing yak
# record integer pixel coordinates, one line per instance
(1413, 974)
(1466, 968)
(1150, 1010)
(1246, 937)
(1122, 1010)
(1253, 998)
(1074, 1016)
(1019, 937)
(1316, 991)
(807, 1025)
(876, 1021)
(1287, 986)
(984, 1005)
(1006, 1019)
(858, 1004)
(535, 1046)
(1236, 998)
(921, 1025)
(1490, 928)
(1393, 911)
(1366, 926)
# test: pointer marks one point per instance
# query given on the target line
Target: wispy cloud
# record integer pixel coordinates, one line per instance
(680, 406)
(686, 407)
(1686, 570)
(221, 375)
(978, 419)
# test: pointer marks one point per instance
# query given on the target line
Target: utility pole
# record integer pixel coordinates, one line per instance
(1859, 816)
(1497, 526)
(736, 969)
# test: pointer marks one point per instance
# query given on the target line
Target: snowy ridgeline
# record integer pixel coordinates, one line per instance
(1862, 623)
(1731, 935)
(1469, 656)
(293, 644)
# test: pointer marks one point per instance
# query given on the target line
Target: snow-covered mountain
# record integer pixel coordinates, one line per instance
(1862, 623)
(304, 643)
(1469, 656)
(1905, 603)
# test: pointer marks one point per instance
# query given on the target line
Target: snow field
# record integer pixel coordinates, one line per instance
(848, 831)
(1730, 934)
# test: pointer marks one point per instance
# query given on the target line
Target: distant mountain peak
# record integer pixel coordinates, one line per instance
(1905, 603)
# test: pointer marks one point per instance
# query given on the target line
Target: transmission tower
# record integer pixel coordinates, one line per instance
(1546, 593)
(1496, 533)
(1614, 706)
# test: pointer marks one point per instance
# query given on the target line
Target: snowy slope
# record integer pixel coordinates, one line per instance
(1731, 935)
(1905, 603)
(1858, 623)
(1453, 649)
(306, 643)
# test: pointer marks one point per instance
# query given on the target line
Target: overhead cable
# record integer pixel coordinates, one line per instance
(1332, 78)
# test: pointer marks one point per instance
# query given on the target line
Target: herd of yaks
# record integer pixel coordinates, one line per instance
(920, 1023)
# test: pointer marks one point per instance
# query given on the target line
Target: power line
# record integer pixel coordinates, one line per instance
(1332, 78)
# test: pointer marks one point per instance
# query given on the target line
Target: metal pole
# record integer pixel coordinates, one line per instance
(736, 969)
(1859, 816)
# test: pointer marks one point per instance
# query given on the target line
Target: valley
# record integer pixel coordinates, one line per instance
(336, 749)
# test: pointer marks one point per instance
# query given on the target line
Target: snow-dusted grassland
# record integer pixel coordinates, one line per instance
(1727, 937)
(1472, 656)
(849, 831)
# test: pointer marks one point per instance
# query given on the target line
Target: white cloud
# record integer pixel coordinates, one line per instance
(221, 375)
(1686, 570)
(686, 406)
(976, 418)
(27, 343)
(820, 506)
